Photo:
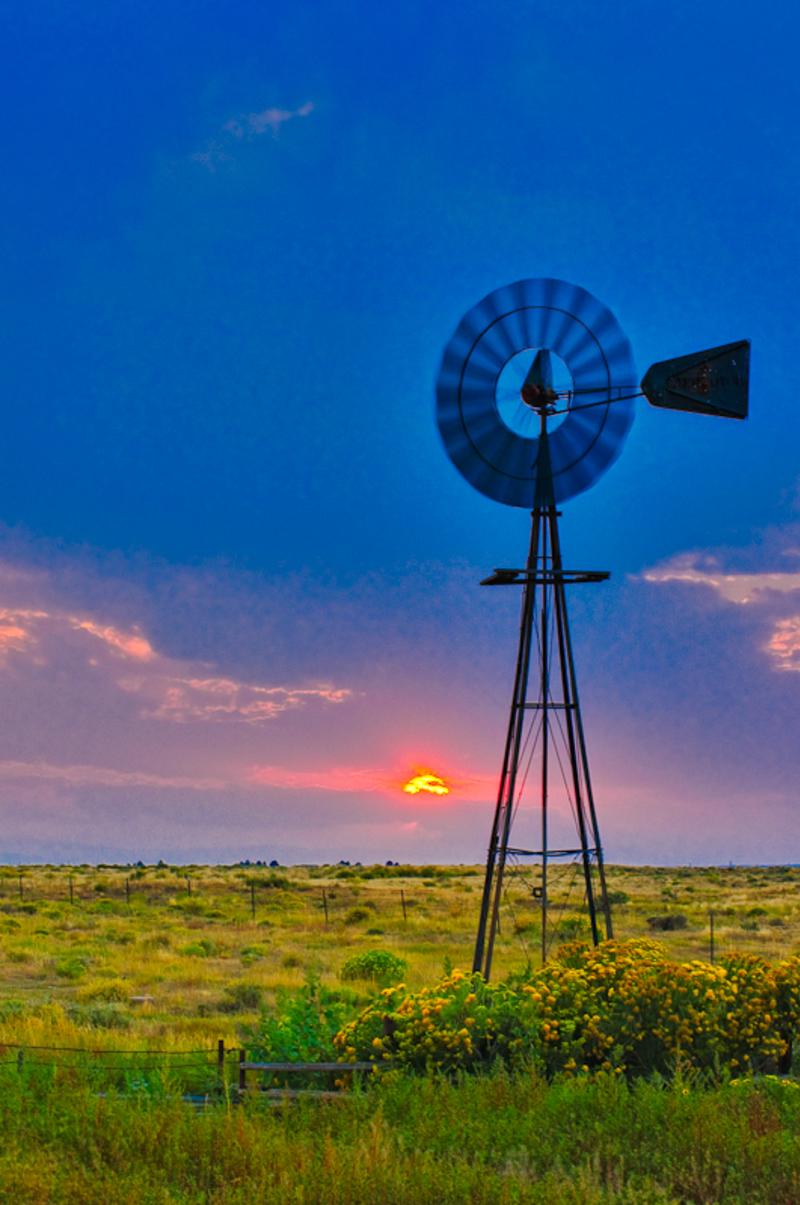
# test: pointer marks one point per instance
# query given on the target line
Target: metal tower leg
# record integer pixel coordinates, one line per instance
(504, 809)
(544, 607)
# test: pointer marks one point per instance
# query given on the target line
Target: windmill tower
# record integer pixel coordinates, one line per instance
(535, 398)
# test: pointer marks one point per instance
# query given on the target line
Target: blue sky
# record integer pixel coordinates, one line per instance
(236, 239)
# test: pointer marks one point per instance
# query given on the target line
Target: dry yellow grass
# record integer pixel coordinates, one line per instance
(186, 937)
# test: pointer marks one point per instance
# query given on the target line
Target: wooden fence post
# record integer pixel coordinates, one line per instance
(711, 935)
(221, 1062)
(253, 900)
(71, 894)
(242, 1071)
(325, 904)
(403, 902)
(127, 891)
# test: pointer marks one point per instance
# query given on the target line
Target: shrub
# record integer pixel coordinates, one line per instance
(621, 1007)
(356, 915)
(189, 906)
(274, 881)
(618, 897)
(669, 922)
(379, 965)
(108, 991)
(569, 927)
(98, 1016)
(200, 949)
(71, 968)
(253, 953)
(242, 997)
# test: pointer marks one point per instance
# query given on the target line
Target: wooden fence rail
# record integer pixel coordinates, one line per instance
(219, 1064)
(294, 1068)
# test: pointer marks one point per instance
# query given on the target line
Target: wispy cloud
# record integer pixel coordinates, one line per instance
(350, 779)
(768, 592)
(102, 776)
(186, 699)
(253, 124)
(740, 588)
(365, 780)
(244, 128)
(167, 688)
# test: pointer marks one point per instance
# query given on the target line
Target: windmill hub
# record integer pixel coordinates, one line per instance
(537, 390)
(524, 386)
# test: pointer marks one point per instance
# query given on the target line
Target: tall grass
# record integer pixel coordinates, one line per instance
(486, 1139)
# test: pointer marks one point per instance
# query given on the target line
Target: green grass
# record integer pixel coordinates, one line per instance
(492, 1139)
(75, 974)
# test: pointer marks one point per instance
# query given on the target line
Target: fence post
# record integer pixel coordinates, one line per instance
(403, 902)
(71, 896)
(188, 885)
(242, 1072)
(325, 904)
(711, 934)
(20, 1059)
(127, 891)
(253, 900)
(21, 893)
(221, 1062)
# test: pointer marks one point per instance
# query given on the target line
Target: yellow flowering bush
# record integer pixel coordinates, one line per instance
(621, 1007)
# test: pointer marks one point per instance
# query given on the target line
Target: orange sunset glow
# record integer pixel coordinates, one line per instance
(432, 784)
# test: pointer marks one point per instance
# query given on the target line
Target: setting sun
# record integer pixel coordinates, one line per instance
(430, 783)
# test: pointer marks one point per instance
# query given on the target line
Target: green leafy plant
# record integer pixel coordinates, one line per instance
(381, 966)
(301, 1027)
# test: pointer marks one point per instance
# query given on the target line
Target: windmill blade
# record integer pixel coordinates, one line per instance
(715, 381)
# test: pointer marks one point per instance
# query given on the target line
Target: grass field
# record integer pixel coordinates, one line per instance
(105, 959)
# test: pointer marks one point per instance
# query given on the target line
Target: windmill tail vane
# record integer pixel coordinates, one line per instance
(526, 464)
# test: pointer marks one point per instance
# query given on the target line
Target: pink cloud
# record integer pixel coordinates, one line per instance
(131, 644)
(370, 780)
(21, 628)
(15, 635)
(169, 688)
(784, 644)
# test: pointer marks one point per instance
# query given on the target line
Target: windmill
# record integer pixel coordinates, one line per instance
(535, 398)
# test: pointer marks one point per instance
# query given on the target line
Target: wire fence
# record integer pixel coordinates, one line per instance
(213, 1068)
